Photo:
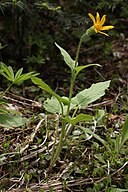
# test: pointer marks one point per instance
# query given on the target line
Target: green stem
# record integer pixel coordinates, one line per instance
(73, 76)
(71, 91)
(78, 49)
(70, 127)
(59, 147)
(6, 90)
(62, 110)
(56, 153)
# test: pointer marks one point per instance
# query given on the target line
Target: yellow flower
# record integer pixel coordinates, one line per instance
(98, 24)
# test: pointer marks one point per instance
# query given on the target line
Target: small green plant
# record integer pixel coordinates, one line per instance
(67, 107)
(6, 118)
(17, 78)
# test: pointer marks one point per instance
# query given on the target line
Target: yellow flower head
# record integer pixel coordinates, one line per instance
(98, 24)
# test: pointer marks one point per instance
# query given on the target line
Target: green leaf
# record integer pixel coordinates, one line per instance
(3, 104)
(24, 77)
(18, 73)
(78, 118)
(10, 121)
(68, 60)
(11, 73)
(87, 130)
(119, 190)
(79, 68)
(46, 88)
(53, 106)
(6, 72)
(90, 95)
(4, 68)
(124, 135)
(5, 75)
(4, 110)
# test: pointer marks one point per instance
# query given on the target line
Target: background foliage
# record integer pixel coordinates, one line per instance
(30, 28)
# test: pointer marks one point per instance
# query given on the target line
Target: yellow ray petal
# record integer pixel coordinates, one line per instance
(97, 17)
(104, 28)
(103, 33)
(92, 17)
(103, 19)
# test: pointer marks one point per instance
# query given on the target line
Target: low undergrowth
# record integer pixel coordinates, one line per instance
(85, 164)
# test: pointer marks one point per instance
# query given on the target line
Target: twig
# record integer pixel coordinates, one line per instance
(32, 103)
(30, 140)
(87, 181)
(58, 186)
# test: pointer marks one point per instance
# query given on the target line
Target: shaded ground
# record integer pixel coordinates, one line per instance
(85, 164)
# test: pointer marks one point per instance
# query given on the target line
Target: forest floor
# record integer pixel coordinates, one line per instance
(85, 164)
